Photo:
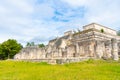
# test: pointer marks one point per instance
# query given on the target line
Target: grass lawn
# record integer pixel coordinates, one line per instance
(87, 70)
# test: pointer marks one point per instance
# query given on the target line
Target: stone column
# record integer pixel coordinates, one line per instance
(77, 50)
(99, 49)
(115, 49)
(119, 49)
(108, 49)
(91, 49)
(60, 53)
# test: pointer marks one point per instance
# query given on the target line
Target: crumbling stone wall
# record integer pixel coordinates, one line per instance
(90, 43)
(71, 52)
(31, 53)
(100, 49)
(115, 49)
(119, 49)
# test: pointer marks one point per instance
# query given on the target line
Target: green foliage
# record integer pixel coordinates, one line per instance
(41, 45)
(59, 61)
(9, 48)
(118, 33)
(95, 70)
(2, 55)
(102, 30)
(33, 44)
(30, 44)
(90, 61)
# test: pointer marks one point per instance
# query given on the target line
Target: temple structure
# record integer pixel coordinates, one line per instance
(95, 41)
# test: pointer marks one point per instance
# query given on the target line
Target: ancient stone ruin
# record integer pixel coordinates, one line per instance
(95, 41)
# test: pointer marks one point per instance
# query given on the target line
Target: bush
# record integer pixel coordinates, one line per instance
(90, 61)
(102, 30)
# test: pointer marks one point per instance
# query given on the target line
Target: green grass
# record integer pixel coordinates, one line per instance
(87, 70)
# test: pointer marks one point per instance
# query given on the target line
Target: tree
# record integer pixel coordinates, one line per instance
(118, 33)
(2, 55)
(30, 44)
(41, 45)
(10, 48)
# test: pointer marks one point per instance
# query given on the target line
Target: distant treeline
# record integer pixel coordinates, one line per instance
(10, 47)
(33, 44)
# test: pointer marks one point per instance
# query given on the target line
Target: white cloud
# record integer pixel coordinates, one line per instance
(100, 11)
(21, 5)
(77, 2)
(28, 20)
(14, 18)
(44, 11)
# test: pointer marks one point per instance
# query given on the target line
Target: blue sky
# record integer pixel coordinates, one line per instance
(42, 20)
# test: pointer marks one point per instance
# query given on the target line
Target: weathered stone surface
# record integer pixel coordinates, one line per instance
(108, 49)
(115, 49)
(89, 43)
(99, 49)
(119, 49)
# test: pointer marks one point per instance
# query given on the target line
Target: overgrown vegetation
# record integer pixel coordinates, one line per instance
(33, 44)
(102, 30)
(9, 48)
(30, 44)
(41, 45)
(87, 70)
(118, 33)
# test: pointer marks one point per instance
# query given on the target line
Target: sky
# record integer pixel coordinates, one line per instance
(42, 20)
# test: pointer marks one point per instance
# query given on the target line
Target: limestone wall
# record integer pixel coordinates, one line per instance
(114, 49)
(90, 43)
(31, 53)
(96, 44)
(99, 27)
(71, 52)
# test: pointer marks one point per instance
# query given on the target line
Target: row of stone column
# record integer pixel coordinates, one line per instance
(107, 49)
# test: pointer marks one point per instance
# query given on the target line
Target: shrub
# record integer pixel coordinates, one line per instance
(102, 30)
